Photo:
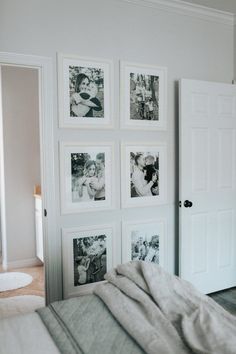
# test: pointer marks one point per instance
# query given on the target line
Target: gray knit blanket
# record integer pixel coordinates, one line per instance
(165, 314)
(84, 325)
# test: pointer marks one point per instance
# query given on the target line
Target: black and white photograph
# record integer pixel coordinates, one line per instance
(85, 87)
(143, 96)
(86, 176)
(86, 92)
(144, 241)
(145, 247)
(87, 257)
(144, 174)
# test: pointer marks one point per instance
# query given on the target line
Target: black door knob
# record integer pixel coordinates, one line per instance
(188, 204)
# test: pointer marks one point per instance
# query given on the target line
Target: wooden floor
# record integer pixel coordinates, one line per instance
(34, 288)
(227, 299)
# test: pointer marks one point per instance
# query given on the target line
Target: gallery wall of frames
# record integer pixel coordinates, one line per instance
(88, 169)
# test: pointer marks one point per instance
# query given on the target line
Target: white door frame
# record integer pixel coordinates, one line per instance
(52, 264)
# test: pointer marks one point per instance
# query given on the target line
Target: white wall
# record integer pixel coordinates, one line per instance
(189, 47)
(225, 5)
(20, 99)
(235, 51)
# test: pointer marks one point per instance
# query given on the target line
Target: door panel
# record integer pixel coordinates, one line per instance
(207, 179)
(226, 106)
(225, 238)
(199, 243)
(200, 105)
(226, 166)
(200, 159)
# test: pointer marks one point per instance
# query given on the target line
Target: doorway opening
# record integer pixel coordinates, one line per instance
(22, 287)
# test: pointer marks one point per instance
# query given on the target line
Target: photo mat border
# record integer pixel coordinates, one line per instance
(128, 226)
(67, 206)
(82, 122)
(126, 200)
(68, 235)
(125, 122)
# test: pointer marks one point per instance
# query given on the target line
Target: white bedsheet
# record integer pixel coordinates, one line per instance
(25, 334)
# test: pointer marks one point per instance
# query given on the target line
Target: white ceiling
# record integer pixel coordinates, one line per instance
(223, 5)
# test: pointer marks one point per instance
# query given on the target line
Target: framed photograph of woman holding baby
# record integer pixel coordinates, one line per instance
(86, 176)
(144, 174)
(85, 92)
(143, 96)
(87, 256)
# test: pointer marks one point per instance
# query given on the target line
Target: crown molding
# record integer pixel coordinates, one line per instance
(188, 9)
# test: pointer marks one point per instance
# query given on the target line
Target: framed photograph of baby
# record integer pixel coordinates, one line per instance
(143, 96)
(86, 176)
(144, 171)
(87, 256)
(85, 92)
(144, 241)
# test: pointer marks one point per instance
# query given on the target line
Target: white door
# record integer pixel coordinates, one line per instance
(208, 184)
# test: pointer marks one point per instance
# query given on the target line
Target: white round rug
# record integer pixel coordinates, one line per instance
(14, 280)
(12, 306)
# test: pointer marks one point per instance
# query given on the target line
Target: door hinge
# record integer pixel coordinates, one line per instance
(45, 213)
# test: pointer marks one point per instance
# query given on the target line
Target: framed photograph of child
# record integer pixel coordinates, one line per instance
(143, 96)
(85, 92)
(87, 256)
(144, 241)
(86, 174)
(144, 174)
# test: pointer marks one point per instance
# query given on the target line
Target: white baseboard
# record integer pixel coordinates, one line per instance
(23, 263)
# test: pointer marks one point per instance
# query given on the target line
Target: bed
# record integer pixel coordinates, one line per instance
(140, 309)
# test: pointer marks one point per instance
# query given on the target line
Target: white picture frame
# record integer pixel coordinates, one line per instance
(138, 186)
(76, 181)
(85, 92)
(87, 254)
(143, 96)
(149, 237)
